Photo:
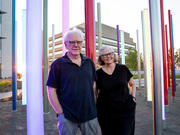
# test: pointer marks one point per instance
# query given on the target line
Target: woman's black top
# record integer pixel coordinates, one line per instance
(115, 106)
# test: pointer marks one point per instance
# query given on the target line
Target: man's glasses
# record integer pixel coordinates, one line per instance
(109, 54)
(75, 42)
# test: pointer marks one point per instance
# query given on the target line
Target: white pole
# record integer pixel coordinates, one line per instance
(35, 121)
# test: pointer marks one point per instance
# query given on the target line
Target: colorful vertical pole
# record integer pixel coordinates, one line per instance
(171, 51)
(90, 30)
(14, 66)
(167, 58)
(148, 56)
(99, 26)
(65, 22)
(24, 99)
(45, 58)
(139, 62)
(118, 47)
(155, 25)
(144, 46)
(163, 65)
(53, 43)
(164, 57)
(173, 55)
(122, 47)
(35, 121)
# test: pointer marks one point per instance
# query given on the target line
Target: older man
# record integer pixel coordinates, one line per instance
(71, 88)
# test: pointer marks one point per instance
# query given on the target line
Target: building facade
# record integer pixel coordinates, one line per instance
(5, 38)
(109, 37)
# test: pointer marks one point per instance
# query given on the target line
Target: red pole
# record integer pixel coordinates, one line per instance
(164, 53)
(90, 30)
(167, 54)
(171, 50)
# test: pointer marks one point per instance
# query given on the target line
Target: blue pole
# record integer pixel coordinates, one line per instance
(173, 54)
(14, 78)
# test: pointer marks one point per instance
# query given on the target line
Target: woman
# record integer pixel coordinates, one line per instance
(115, 104)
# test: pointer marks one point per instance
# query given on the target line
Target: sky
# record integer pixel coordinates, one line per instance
(125, 13)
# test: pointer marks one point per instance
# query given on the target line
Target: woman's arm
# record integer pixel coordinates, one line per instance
(133, 85)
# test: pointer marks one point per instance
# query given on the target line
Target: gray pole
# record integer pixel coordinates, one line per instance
(154, 8)
(145, 72)
(139, 62)
(99, 26)
(53, 43)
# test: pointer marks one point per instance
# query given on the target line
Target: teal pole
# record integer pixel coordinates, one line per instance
(24, 96)
(122, 47)
(173, 55)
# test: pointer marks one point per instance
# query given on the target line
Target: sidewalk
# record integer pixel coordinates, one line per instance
(14, 123)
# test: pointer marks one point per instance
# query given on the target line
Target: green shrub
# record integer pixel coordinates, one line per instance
(6, 83)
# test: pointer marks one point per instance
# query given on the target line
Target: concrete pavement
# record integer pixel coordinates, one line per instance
(14, 123)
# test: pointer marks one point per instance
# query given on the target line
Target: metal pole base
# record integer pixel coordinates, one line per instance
(46, 116)
(150, 103)
(145, 98)
(166, 108)
(164, 124)
(173, 99)
(140, 93)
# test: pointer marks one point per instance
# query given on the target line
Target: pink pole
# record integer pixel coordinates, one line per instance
(171, 50)
(90, 30)
(65, 22)
(164, 53)
(167, 54)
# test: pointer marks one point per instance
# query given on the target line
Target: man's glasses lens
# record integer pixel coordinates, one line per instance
(74, 42)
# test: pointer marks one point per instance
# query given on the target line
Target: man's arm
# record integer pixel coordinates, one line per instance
(53, 99)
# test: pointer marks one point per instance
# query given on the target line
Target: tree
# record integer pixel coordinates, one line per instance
(142, 62)
(176, 57)
(131, 59)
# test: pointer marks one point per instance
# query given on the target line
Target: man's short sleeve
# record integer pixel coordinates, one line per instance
(54, 73)
(94, 71)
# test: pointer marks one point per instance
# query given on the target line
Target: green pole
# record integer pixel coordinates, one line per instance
(99, 26)
(45, 58)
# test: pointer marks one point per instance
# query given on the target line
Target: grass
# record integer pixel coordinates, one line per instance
(6, 85)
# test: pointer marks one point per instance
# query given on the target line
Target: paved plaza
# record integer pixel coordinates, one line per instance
(14, 123)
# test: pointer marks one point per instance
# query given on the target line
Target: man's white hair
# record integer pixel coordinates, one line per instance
(71, 32)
